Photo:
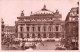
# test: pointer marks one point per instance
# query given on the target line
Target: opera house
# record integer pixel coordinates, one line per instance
(43, 24)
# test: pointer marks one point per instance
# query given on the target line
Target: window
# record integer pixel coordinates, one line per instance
(38, 28)
(33, 28)
(50, 35)
(57, 35)
(74, 12)
(27, 28)
(27, 35)
(73, 19)
(24, 19)
(44, 35)
(70, 18)
(76, 18)
(49, 28)
(56, 28)
(21, 35)
(21, 28)
(33, 35)
(38, 35)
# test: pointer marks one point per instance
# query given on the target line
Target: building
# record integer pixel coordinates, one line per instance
(9, 34)
(43, 24)
(71, 30)
(2, 24)
(2, 30)
(9, 30)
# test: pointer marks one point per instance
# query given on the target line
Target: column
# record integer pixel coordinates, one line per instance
(18, 31)
(35, 31)
(62, 28)
(40, 31)
(41, 28)
(30, 30)
(36, 28)
(18, 28)
(42, 35)
(53, 28)
(47, 35)
(47, 28)
(18, 35)
(59, 28)
(24, 32)
(30, 27)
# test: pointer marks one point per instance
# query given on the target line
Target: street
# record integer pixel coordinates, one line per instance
(39, 46)
(46, 46)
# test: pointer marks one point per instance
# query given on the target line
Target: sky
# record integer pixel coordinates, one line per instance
(11, 9)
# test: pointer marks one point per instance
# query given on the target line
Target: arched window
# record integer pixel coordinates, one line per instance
(33, 35)
(44, 35)
(39, 35)
(27, 28)
(57, 28)
(27, 35)
(50, 35)
(33, 28)
(38, 28)
(49, 28)
(57, 35)
(21, 28)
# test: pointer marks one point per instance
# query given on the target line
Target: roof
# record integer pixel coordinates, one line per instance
(74, 9)
(43, 13)
(44, 10)
(9, 28)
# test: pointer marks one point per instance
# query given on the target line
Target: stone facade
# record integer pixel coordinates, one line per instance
(9, 31)
(41, 24)
(71, 30)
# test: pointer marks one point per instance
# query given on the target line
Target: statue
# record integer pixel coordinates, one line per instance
(22, 14)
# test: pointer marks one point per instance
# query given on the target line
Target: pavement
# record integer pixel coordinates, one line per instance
(4, 47)
(39, 46)
(47, 46)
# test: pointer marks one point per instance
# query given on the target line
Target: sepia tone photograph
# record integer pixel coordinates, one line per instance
(39, 24)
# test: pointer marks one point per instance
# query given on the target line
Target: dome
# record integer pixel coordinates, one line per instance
(43, 11)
